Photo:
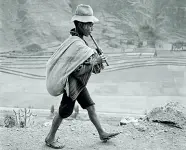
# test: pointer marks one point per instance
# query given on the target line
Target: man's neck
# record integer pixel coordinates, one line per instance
(74, 32)
(79, 33)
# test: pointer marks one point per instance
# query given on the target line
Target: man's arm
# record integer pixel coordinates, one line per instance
(92, 63)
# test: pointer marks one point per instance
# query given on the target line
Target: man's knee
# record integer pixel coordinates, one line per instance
(91, 109)
(65, 113)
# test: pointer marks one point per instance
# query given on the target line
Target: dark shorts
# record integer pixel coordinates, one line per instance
(67, 104)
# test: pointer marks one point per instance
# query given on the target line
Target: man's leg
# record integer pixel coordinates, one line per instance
(87, 103)
(65, 110)
(55, 125)
(94, 119)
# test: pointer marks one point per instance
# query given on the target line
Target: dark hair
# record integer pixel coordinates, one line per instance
(76, 23)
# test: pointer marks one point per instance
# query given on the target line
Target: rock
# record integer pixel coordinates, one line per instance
(124, 121)
(47, 124)
(165, 130)
(72, 129)
(127, 120)
(173, 114)
(152, 134)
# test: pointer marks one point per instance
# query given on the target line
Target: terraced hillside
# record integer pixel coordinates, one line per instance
(28, 65)
(36, 25)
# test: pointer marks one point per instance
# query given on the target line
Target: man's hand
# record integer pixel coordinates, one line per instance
(100, 59)
(103, 58)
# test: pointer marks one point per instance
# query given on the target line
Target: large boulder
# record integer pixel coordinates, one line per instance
(173, 114)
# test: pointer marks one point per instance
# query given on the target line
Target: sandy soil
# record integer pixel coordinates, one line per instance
(78, 134)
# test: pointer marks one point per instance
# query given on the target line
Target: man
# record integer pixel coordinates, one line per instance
(75, 62)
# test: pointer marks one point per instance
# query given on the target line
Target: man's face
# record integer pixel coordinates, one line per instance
(87, 28)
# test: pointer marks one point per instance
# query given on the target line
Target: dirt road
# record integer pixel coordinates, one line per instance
(80, 134)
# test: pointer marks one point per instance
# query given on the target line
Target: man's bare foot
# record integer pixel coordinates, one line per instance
(50, 139)
(54, 144)
(107, 136)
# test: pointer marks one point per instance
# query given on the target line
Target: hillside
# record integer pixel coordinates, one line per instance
(37, 25)
(27, 23)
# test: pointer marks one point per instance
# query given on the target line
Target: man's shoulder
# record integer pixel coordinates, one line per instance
(75, 38)
(79, 42)
(71, 40)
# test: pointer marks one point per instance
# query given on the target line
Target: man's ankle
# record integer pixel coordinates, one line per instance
(102, 132)
(50, 138)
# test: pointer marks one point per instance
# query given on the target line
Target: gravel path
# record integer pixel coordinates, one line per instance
(80, 134)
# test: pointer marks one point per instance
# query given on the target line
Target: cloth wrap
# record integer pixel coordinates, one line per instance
(71, 53)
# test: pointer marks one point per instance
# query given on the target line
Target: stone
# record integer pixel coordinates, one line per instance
(47, 124)
(72, 129)
(172, 114)
(127, 120)
(165, 130)
(124, 121)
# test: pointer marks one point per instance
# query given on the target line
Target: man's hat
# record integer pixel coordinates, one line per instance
(84, 13)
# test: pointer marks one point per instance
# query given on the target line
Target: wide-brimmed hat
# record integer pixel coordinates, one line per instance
(84, 13)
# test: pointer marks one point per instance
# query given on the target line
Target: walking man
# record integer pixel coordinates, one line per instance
(73, 63)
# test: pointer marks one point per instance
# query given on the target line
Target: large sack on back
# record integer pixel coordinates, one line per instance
(63, 62)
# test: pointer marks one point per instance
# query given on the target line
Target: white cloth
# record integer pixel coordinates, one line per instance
(63, 62)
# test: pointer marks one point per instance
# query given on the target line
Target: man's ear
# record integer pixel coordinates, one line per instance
(81, 24)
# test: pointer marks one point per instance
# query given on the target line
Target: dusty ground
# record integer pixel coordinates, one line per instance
(80, 134)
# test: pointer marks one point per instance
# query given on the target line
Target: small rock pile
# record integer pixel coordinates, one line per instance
(173, 114)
